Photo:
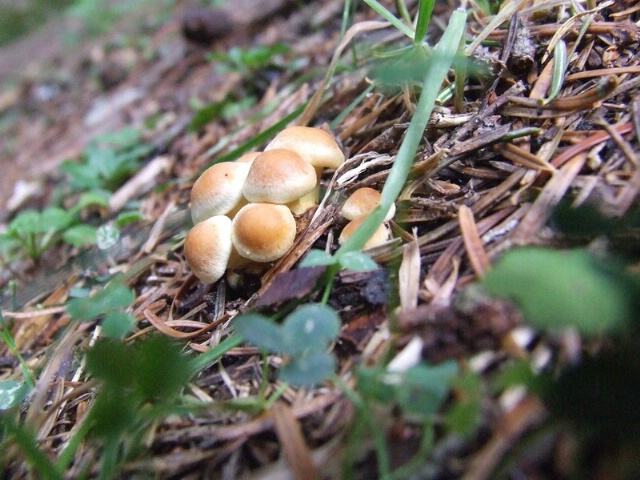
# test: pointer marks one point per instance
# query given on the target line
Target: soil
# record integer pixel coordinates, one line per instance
(474, 193)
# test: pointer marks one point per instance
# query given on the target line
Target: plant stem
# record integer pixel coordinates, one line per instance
(364, 410)
(7, 338)
(29, 446)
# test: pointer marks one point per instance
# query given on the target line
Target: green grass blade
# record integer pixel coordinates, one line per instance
(210, 356)
(501, 17)
(338, 120)
(560, 64)
(424, 17)
(390, 17)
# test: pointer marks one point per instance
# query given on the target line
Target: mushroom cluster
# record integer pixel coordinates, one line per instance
(243, 211)
(356, 208)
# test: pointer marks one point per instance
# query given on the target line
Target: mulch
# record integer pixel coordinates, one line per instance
(473, 193)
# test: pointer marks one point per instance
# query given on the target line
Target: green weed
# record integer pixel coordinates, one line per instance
(303, 337)
(250, 60)
(107, 162)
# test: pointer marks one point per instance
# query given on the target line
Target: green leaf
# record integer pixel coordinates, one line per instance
(82, 176)
(56, 219)
(357, 261)
(117, 324)
(31, 221)
(424, 388)
(261, 332)
(25, 223)
(80, 235)
(372, 386)
(464, 418)
(12, 393)
(161, 370)
(309, 369)
(310, 327)
(113, 412)
(465, 414)
(206, 114)
(99, 198)
(561, 289)
(111, 361)
(115, 296)
(517, 373)
(126, 218)
(318, 258)
(153, 369)
(101, 160)
(119, 139)
(420, 390)
(8, 244)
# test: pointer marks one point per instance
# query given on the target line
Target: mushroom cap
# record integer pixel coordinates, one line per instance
(263, 232)
(247, 157)
(380, 236)
(316, 146)
(218, 190)
(207, 248)
(278, 176)
(362, 202)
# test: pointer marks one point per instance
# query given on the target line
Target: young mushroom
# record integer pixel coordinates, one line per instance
(278, 176)
(263, 232)
(218, 191)
(380, 236)
(315, 145)
(207, 248)
(362, 202)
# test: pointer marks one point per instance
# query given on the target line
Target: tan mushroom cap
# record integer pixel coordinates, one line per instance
(278, 176)
(380, 236)
(263, 232)
(315, 145)
(207, 248)
(248, 157)
(362, 202)
(218, 190)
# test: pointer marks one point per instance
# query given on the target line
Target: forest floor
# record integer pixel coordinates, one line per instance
(498, 337)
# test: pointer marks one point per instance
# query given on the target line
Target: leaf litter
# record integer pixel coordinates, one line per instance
(488, 176)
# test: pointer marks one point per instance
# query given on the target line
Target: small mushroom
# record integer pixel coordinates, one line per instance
(207, 248)
(263, 232)
(362, 202)
(316, 146)
(380, 236)
(278, 176)
(218, 191)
